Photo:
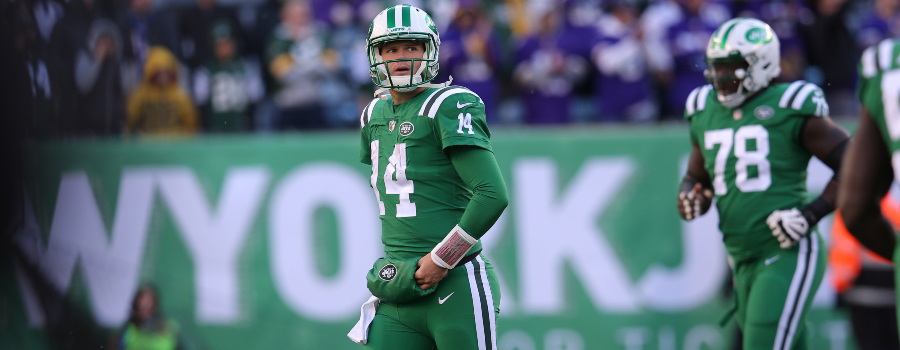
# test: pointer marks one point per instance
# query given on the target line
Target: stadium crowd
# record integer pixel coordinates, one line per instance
(75, 68)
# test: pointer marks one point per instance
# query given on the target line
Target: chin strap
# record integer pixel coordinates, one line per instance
(380, 93)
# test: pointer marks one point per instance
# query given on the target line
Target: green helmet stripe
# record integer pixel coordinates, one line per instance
(407, 18)
(390, 18)
(727, 31)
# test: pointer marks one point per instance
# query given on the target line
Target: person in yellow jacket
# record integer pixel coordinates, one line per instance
(146, 328)
(160, 105)
(865, 284)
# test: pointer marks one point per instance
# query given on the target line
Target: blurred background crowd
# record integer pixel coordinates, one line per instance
(76, 68)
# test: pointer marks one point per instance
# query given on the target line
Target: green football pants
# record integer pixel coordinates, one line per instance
(774, 294)
(461, 314)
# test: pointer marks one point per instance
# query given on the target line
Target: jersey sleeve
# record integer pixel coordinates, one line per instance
(459, 119)
(696, 101)
(365, 150)
(809, 100)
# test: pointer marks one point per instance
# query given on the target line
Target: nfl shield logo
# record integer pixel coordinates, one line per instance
(738, 114)
(391, 125)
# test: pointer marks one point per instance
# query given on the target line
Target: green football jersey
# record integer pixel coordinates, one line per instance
(879, 92)
(420, 196)
(754, 157)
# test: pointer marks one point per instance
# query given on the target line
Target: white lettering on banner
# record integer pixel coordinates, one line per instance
(563, 339)
(215, 235)
(703, 336)
(292, 248)
(633, 338)
(837, 333)
(700, 275)
(110, 262)
(516, 339)
(666, 337)
(555, 230)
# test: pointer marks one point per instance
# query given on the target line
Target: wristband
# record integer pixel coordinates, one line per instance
(815, 211)
(453, 248)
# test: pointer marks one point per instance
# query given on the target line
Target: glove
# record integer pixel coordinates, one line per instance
(788, 226)
(694, 203)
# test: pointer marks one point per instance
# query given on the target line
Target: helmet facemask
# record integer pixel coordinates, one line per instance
(729, 76)
(381, 74)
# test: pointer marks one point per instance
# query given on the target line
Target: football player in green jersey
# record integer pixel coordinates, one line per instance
(752, 141)
(867, 170)
(438, 187)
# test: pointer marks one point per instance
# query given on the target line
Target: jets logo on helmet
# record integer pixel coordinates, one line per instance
(742, 58)
(403, 22)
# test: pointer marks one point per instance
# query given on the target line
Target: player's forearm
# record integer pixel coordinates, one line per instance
(872, 230)
(479, 170)
(822, 206)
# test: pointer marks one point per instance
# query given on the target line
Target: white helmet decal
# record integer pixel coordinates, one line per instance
(403, 22)
(744, 40)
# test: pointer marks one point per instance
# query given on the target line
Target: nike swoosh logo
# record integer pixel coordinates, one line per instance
(769, 261)
(442, 300)
(458, 105)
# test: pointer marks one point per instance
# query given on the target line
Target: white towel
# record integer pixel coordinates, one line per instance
(360, 332)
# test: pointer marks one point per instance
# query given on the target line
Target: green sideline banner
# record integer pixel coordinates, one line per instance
(263, 242)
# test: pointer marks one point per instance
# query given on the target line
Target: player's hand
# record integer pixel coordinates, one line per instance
(428, 274)
(694, 203)
(788, 226)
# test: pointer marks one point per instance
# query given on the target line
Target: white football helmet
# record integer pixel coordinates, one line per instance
(403, 22)
(742, 58)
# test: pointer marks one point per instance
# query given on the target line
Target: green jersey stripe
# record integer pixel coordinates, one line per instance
(869, 66)
(391, 23)
(702, 96)
(691, 104)
(432, 112)
(802, 95)
(429, 101)
(885, 54)
(406, 16)
(789, 93)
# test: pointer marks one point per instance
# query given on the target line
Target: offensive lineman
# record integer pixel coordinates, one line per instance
(752, 142)
(868, 169)
(438, 188)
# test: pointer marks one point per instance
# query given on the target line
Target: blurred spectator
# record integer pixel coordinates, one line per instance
(678, 35)
(86, 51)
(46, 14)
(227, 87)
(147, 328)
(195, 26)
(349, 71)
(622, 87)
(865, 284)
(833, 54)
(28, 80)
(160, 105)
(294, 57)
(470, 54)
(141, 29)
(785, 18)
(879, 22)
(546, 73)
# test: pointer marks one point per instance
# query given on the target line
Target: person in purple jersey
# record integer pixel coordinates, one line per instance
(622, 85)
(687, 41)
(878, 23)
(546, 72)
(470, 54)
